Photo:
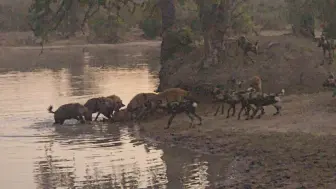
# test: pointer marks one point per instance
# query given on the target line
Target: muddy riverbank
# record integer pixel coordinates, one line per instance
(293, 150)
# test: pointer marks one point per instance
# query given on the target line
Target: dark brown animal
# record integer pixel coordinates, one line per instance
(102, 105)
(71, 111)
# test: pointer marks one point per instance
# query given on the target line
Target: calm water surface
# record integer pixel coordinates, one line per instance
(35, 154)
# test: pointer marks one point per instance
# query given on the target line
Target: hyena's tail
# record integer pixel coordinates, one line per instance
(50, 109)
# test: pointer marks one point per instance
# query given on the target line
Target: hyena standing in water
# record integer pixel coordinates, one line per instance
(327, 45)
(103, 105)
(117, 102)
(247, 46)
(71, 111)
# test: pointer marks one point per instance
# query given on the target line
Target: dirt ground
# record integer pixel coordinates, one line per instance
(294, 150)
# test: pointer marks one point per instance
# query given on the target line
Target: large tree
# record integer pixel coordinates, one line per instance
(217, 17)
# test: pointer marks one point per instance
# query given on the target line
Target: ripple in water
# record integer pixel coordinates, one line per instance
(36, 154)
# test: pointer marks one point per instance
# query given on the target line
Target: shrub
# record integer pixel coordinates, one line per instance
(151, 27)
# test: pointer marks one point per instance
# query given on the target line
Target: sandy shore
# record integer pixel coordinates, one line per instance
(288, 151)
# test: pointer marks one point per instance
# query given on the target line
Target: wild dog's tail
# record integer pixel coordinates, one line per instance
(281, 93)
(277, 96)
(50, 109)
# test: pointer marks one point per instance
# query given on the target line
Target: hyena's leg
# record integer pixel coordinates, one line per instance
(170, 120)
(140, 114)
(97, 116)
(61, 122)
(108, 115)
(222, 108)
(80, 119)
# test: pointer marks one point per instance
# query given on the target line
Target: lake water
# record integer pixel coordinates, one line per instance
(36, 154)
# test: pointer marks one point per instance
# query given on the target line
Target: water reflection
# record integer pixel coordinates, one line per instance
(83, 156)
(95, 159)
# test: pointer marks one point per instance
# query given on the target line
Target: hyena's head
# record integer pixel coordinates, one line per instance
(117, 102)
(87, 114)
(118, 105)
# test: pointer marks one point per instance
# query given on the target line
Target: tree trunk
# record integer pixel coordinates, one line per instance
(168, 19)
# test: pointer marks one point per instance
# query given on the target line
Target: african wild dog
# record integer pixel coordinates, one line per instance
(327, 45)
(247, 46)
(230, 97)
(102, 105)
(187, 105)
(259, 100)
(71, 111)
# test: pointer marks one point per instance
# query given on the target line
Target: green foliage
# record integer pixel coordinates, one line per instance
(243, 23)
(13, 18)
(151, 27)
(108, 29)
(268, 14)
(302, 11)
(180, 41)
